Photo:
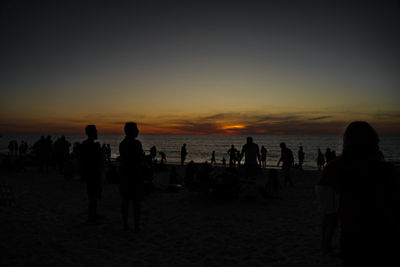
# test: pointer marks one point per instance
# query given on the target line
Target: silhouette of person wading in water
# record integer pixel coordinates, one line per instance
(132, 180)
(91, 159)
(183, 154)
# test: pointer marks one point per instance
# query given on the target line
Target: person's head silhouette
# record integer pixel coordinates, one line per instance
(131, 129)
(91, 132)
(249, 140)
(282, 145)
(360, 141)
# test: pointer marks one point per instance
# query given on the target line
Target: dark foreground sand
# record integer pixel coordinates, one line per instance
(47, 227)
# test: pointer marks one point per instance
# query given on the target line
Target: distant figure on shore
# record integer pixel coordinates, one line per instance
(163, 158)
(132, 168)
(301, 155)
(106, 149)
(91, 160)
(61, 148)
(223, 161)
(287, 163)
(232, 156)
(23, 148)
(13, 147)
(108, 154)
(368, 205)
(213, 161)
(153, 153)
(183, 154)
(320, 160)
(238, 158)
(252, 160)
(263, 157)
(328, 155)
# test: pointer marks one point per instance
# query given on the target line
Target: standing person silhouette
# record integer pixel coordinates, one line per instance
(232, 156)
(320, 159)
(369, 202)
(153, 153)
(252, 157)
(263, 157)
(300, 155)
(287, 163)
(183, 154)
(213, 161)
(132, 180)
(91, 159)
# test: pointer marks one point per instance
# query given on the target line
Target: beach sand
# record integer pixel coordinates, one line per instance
(47, 227)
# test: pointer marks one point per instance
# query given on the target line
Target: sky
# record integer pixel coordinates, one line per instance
(199, 67)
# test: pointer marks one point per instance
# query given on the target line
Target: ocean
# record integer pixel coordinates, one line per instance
(200, 147)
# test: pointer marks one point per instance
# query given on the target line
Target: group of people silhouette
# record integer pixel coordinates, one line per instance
(325, 159)
(357, 190)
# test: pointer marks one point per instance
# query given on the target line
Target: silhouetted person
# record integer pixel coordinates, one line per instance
(369, 202)
(320, 160)
(47, 147)
(213, 161)
(108, 154)
(104, 151)
(132, 180)
(328, 155)
(300, 155)
(183, 154)
(238, 157)
(263, 157)
(287, 163)
(40, 149)
(153, 153)
(23, 148)
(251, 153)
(91, 159)
(61, 149)
(232, 156)
(13, 147)
(223, 161)
(163, 158)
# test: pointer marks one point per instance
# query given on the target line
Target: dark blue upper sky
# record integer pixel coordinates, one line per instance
(214, 56)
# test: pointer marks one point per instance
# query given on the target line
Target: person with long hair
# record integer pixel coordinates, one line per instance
(368, 200)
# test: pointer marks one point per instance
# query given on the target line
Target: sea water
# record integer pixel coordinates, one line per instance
(200, 147)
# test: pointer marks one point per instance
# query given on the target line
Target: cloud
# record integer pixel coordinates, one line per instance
(254, 122)
(320, 118)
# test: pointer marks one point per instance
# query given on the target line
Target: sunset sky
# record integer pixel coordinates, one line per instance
(198, 67)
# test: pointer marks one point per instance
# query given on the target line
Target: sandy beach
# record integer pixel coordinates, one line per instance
(47, 226)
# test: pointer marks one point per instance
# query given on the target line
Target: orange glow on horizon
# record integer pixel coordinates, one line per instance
(230, 127)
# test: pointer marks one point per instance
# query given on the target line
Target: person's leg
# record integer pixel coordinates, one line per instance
(137, 211)
(124, 212)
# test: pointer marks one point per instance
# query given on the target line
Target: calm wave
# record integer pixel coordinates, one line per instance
(199, 147)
